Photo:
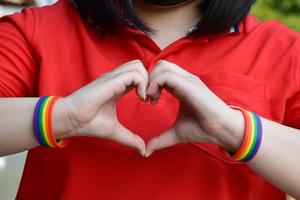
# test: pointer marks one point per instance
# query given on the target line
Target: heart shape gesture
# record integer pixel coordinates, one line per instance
(92, 109)
(202, 115)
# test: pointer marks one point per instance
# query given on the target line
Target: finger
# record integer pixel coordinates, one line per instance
(137, 66)
(113, 82)
(123, 136)
(140, 83)
(166, 139)
(166, 66)
(156, 85)
(134, 65)
(154, 97)
(172, 82)
(126, 80)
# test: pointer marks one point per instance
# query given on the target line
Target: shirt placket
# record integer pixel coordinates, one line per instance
(147, 44)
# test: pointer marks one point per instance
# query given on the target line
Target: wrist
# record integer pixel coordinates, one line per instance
(62, 123)
(232, 133)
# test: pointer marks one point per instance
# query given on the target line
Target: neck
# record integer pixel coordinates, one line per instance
(175, 18)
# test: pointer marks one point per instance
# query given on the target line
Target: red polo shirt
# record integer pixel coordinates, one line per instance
(51, 51)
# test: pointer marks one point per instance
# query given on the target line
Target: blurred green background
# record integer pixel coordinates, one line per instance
(286, 11)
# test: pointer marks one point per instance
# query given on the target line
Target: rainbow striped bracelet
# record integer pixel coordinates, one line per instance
(252, 137)
(42, 124)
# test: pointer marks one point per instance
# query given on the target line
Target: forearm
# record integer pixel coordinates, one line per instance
(16, 124)
(278, 157)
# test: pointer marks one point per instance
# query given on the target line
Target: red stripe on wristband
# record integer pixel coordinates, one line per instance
(251, 140)
(43, 123)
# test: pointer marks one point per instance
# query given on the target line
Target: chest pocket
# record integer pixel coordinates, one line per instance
(238, 90)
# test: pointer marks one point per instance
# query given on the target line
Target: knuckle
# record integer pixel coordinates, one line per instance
(132, 64)
(135, 138)
(165, 68)
(154, 142)
(138, 71)
(169, 77)
(140, 79)
(138, 64)
(136, 61)
(109, 136)
(135, 74)
(164, 74)
(178, 137)
(162, 62)
(141, 70)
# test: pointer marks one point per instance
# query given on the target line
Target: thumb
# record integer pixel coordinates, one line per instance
(164, 140)
(123, 136)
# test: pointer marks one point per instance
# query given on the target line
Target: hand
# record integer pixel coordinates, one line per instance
(202, 117)
(92, 109)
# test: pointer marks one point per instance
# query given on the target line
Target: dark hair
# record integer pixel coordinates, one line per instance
(217, 15)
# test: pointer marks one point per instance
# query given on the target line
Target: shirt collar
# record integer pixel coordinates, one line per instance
(233, 29)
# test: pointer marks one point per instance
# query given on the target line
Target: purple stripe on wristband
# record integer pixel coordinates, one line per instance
(259, 137)
(37, 131)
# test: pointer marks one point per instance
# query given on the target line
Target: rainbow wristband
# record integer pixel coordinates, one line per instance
(42, 124)
(252, 137)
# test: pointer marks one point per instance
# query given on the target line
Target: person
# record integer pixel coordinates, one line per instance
(209, 78)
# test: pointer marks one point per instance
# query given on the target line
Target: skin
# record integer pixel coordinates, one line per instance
(167, 31)
(202, 117)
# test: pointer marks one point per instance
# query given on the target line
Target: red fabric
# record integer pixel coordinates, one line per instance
(51, 51)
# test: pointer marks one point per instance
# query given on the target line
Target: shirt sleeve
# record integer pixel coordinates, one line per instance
(292, 108)
(17, 64)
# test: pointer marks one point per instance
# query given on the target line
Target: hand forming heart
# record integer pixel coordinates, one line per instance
(202, 117)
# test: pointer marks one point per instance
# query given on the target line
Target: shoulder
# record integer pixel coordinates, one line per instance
(270, 30)
(273, 36)
(277, 45)
(61, 13)
(48, 20)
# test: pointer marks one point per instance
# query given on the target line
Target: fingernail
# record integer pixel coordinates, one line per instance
(154, 101)
(145, 98)
(148, 154)
(142, 152)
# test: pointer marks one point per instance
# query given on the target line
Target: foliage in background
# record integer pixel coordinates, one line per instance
(286, 11)
(285, 6)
